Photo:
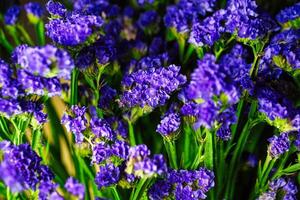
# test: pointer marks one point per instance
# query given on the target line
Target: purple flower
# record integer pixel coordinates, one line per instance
(102, 129)
(47, 190)
(56, 8)
(22, 169)
(121, 149)
(75, 122)
(47, 61)
(169, 124)
(245, 18)
(226, 118)
(12, 14)
(34, 9)
(74, 29)
(75, 188)
(184, 184)
(279, 144)
(176, 18)
(289, 14)
(148, 18)
(151, 87)
(140, 164)
(107, 175)
(208, 31)
(101, 151)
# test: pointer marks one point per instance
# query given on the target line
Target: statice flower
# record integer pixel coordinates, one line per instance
(47, 61)
(281, 186)
(226, 118)
(38, 85)
(12, 14)
(148, 18)
(144, 2)
(151, 87)
(35, 9)
(75, 188)
(279, 144)
(91, 6)
(74, 29)
(75, 122)
(169, 124)
(273, 104)
(208, 31)
(107, 175)
(22, 169)
(176, 18)
(56, 8)
(183, 184)
(102, 129)
(107, 96)
(140, 164)
(120, 149)
(47, 190)
(289, 14)
(246, 19)
(283, 52)
(101, 152)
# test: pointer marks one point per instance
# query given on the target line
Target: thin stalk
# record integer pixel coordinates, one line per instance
(209, 150)
(40, 32)
(25, 35)
(36, 138)
(139, 190)
(131, 134)
(74, 87)
(171, 151)
(8, 193)
(115, 193)
(181, 44)
(234, 160)
(5, 43)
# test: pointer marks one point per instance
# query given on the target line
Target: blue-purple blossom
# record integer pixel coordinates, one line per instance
(12, 14)
(283, 52)
(47, 61)
(169, 124)
(35, 9)
(279, 144)
(289, 14)
(107, 175)
(148, 18)
(208, 31)
(183, 184)
(56, 8)
(151, 87)
(246, 19)
(75, 188)
(21, 168)
(284, 186)
(74, 29)
(75, 122)
(102, 129)
(47, 190)
(101, 151)
(140, 164)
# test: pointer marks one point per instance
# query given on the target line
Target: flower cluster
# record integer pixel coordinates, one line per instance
(184, 184)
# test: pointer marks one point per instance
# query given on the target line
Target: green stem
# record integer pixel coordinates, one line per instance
(40, 32)
(12, 30)
(5, 43)
(209, 150)
(233, 169)
(131, 134)
(139, 190)
(115, 193)
(8, 193)
(36, 138)
(25, 35)
(74, 87)
(171, 151)
(181, 44)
